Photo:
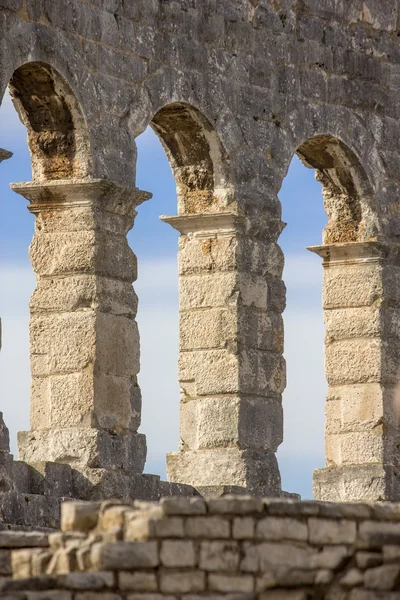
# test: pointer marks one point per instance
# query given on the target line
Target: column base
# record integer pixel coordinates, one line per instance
(357, 483)
(80, 447)
(255, 470)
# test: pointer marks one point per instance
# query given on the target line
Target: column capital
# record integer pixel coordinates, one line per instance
(357, 252)
(5, 154)
(205, 224)
(63, 193)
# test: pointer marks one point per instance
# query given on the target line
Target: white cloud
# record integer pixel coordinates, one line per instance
(158, 322)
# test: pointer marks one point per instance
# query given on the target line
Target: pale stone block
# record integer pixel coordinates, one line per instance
(89, 581)
(373, 534)
(124, 555)
(207, 329)
(382, 578)
(356, 483)
(360, 322)
(223, 290)
(207, 527)
(361, 407)
(205, 255)
(260, 329)
(79, 516)
(84, 447)
(262, 373)
(178, 554)
(219, 556)
(182, 582)
(352, 578)
(360, 447)
(213, 371)
(183, 506)
(253, 469)
(328, 531)
(139, 527)
(246, 423)
(367, 560)
(117, 345)
(243, 528)
(352, 285)
(266, 555)
(235, 505)
(354, 361)
(231, 583)
(141, 581)
(275, 528)
(62, 343)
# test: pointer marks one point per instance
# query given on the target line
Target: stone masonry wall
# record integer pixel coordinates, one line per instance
(218, 548)
(233, 89)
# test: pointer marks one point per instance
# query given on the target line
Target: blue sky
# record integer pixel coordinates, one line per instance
(155, 244)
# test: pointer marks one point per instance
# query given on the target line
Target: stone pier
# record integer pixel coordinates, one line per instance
(84, 341)
(361, 300)
(231, 371)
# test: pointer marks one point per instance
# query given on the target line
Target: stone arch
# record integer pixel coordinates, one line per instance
(57, 133)
(349, 200)
(197, 158)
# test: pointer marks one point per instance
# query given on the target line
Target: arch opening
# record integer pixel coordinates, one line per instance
(197, 158)
(57, 133)
(347, 193)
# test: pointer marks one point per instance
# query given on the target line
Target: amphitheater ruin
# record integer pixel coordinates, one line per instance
(233, 89)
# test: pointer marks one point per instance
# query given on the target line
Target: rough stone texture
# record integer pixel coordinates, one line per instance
(295, 550)
(233, 89)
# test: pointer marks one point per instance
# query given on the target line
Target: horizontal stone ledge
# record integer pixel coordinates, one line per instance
(207, 223)
(357, 252)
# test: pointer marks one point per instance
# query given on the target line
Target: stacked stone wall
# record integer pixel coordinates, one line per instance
(225, 547)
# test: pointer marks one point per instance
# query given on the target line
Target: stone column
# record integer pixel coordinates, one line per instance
(231, 370)
(84, 341)
(361, 299)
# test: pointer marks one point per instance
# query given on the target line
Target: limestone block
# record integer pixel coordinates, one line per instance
(373, 534)
(88, 252)
(50, 479)
(236, 505)
(327, 531)
(88, 581)
(207, 527)
(356, 361)
(219, 556)
(331, 557)
(83, 446)
(243, 422)
(79, 516)
(360, 322)
(74, 292)
(213, 371)
(352, 285)
(141, 581)
(361, 407)
(117, 345)
(356, 483)
(62, 343)
(207, 329)
(231, 583)
(183, 506)
(124, 555)
(360, 447)
(252, 469)
(176, 553)
(260, 329)
(243, 528)
(182, 582)
(382, 578)
(222, 290)
(199, 255)
(262, 373)
(275, 528)
(267, 555)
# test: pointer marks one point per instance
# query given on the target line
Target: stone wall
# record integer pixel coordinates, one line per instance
(220, 548)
